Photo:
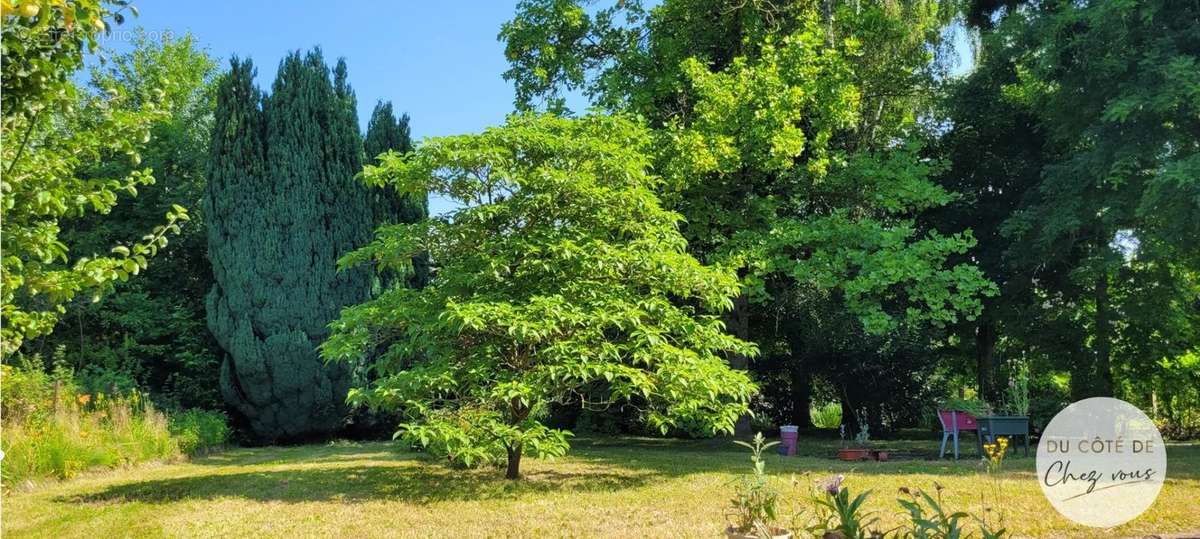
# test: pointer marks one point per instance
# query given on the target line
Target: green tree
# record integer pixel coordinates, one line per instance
(562, 271)
(52, 130)
(152, 328)
(994, 152)
(1125, 126)
(283, 206)
(1101, 239)
(789, 140)
(387, 133)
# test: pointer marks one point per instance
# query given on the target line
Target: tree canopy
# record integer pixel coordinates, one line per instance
(52, 130)
(789, 138)
(563, 271)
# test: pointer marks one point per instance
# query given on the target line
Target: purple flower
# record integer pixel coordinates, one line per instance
(834, 484)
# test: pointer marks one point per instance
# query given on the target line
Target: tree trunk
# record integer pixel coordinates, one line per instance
(849, 415)
(1103, 383)
(801, 393)
(1080, 385)
(517, 413)
(738, 322)
(514, 463)
(985, 357)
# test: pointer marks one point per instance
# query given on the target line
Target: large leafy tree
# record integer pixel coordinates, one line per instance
(283, 206)
(994, 150)
(1079, 138)
(790, 139)
(1115, 86)
(152, 328)
(562, 271)
(52, 128)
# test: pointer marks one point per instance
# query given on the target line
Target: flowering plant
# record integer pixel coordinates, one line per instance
(993, 454)
(755, 502)
(839, 515)
(1016, 395)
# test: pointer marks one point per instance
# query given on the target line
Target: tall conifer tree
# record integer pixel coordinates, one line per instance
(284, 207)
(385, 132)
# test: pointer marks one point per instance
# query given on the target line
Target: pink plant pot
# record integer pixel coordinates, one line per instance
(790, 436)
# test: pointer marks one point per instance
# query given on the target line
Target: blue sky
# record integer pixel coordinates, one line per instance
(438, 61)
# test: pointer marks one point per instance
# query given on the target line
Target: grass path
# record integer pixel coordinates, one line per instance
(609, 487)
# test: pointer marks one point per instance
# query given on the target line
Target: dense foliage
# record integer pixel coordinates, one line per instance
(283, 206)
(1074, 143)
(790, 142)
(561, 272)
(53, 130)
(150, 330)
(386, 133)
(883, 233)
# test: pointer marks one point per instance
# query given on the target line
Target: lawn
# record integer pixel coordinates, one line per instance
(610, 487)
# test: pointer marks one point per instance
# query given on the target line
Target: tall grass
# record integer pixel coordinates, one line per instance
(73, 441)
(49, 429)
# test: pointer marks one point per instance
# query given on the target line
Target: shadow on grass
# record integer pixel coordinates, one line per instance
(337, 451)
(417, 484)
(382, 471)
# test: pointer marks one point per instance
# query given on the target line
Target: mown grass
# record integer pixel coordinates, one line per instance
(610, 487)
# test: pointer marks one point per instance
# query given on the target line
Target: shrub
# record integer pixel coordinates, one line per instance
(827, 416)
(1185, 426)
(27, 393)
(1048, 395)
(96, 380)
(199, 431)
(973, 406)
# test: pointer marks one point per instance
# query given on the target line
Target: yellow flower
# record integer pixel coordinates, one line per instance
(30, 9)
(84, 399)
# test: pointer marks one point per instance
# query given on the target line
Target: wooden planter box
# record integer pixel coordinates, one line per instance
(991, 427)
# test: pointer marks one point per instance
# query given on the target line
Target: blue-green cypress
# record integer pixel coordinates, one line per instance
(385, 133)
(283, 207)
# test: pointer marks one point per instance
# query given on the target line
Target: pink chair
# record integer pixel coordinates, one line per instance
(953, 422)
